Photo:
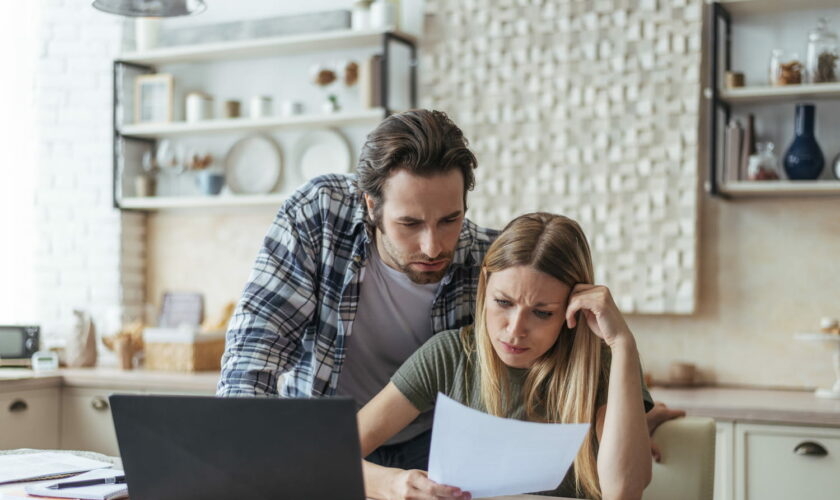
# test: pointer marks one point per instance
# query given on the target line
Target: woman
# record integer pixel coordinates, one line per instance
(547, 346)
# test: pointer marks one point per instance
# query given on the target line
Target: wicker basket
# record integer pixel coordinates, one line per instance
(182, 350)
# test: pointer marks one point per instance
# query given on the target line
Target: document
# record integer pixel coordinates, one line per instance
(91, 492)
(492, 456)
(30, 466)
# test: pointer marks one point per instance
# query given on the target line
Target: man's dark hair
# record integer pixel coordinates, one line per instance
(423, 142)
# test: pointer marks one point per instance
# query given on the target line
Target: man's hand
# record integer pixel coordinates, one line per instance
(658, 414)
(416, 485)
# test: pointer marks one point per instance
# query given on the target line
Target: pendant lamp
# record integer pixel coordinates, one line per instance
(150, 8)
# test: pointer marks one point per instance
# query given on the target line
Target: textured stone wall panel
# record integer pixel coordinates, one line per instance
(588, 109)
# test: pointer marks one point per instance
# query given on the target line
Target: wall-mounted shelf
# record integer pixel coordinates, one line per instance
(780, 188)
(752, 7)
(155, 203)
(262, 47)
(722, 100)
(151, 131)
(781, 93)
(133, 140)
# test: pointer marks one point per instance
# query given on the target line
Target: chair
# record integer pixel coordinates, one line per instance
(687, 468)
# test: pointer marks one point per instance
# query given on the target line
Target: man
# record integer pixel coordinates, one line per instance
(356, 273)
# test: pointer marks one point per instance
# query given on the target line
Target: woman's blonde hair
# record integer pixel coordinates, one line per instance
(562, 385)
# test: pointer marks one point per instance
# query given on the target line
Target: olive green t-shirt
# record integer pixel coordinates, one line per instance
(442, 365)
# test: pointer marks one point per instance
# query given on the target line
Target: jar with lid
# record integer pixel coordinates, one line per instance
(785, 69)
(763, 165)
(821, 65)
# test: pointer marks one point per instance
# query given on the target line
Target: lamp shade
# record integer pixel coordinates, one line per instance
(151, 8)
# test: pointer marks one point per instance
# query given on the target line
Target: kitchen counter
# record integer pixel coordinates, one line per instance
(13, 379)
(753, 405)
(747, 405)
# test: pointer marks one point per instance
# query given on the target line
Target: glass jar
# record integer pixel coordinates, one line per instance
(775, 66)
(763, 165)
(821, 65)
(784, 69)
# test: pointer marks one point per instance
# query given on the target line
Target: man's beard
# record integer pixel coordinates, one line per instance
(403, 262)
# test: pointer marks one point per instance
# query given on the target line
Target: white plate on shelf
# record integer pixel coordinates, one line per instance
(322, 152)
(253, 165)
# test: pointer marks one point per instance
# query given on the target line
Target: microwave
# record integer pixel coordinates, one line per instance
(17, 344)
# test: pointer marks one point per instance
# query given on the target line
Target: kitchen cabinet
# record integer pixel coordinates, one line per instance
(86, 422)
(782, 462)
(29, 419)
(724, 456)
(766, 461)
(68, 409)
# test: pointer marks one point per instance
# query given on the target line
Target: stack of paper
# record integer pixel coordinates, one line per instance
(32, 466)
(92, 492)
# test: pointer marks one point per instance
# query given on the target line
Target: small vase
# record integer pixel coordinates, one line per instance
(804, 159)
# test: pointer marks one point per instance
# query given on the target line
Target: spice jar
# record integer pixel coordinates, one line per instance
(821, 65)
(785, 71)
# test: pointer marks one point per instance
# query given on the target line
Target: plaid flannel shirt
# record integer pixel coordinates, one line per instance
(300, 301)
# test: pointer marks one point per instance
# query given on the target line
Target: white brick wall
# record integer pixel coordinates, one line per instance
(90, 256)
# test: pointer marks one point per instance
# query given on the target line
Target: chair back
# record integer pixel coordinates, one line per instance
(687, 468)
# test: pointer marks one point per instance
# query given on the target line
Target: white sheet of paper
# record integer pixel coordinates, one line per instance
(491, 456)
(44, 464)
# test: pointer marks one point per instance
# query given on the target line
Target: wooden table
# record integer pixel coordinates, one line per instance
(15, 491)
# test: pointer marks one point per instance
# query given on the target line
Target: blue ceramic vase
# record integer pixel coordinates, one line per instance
(804, 159)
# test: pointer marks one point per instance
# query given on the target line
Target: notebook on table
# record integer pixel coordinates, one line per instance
(93, 492)
(208, 448)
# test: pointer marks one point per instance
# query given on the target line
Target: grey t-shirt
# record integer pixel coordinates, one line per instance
(442, 365)
(394, 319)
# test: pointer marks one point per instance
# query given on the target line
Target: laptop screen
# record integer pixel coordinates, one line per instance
(208, 448)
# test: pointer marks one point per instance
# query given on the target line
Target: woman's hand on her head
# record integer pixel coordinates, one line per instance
(416, 485)
(598, 309)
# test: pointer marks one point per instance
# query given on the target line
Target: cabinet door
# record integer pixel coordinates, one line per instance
(86, 422)
(783, 462)
(724, 458)
(29, 419)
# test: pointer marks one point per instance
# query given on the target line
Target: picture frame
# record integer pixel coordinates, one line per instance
(153, 98)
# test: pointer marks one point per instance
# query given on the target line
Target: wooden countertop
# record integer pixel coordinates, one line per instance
(12, 379)
(753, 405)
(748, 405)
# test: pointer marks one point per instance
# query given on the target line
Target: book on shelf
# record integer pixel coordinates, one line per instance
(370, 77)
(733, 145)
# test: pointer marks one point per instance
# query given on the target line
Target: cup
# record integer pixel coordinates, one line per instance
(144, 185)
(210, 183)
(199, 106)
(260, 106)
(146, 30)
(360, 17)
(232, 109)
(291, 108)
(383, 15)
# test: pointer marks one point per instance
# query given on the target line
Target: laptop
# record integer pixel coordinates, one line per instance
(209, 448)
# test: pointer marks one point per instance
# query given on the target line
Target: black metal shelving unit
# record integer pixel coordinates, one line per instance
(719, 33)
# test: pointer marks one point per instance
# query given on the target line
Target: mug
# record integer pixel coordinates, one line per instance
(291, 108)
(232, 109)
(210, 183)
(260, 106)
(199, 106)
